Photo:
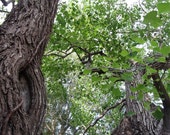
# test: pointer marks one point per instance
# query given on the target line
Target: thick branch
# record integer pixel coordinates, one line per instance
(88, 57)
(160, 65)
(161, 89)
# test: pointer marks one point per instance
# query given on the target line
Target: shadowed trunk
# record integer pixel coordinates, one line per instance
(23, 38)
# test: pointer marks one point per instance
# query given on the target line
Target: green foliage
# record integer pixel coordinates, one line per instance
(92, 45)
(158, 114)
(152, 19)
(163, 7)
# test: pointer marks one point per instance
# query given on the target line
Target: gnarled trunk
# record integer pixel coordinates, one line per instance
(23, 37)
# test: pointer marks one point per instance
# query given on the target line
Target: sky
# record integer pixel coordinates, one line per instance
(131, 2)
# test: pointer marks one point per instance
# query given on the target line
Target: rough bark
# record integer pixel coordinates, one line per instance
(141, 122)
(23, 37)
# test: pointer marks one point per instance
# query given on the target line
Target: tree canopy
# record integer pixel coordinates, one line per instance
(90, 55)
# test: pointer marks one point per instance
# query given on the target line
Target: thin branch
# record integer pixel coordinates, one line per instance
(4, 11)
(83, 49)
(78, 55)
(140, 4)
(88, 55)
(103, 114)
(48, 127)
(58, 55)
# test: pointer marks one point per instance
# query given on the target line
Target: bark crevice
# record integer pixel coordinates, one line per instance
(25, 91)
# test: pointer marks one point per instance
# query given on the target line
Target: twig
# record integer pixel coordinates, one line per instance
(4, 11)
(102, 115)
(48, 127)
(140, 4)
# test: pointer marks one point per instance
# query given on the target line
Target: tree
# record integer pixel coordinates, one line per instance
(23, 38)
(109, 40)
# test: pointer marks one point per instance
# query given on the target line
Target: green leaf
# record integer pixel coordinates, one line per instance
(139, 87)
(113, 79)
(168, 87)
(158, 114)
(96, 78)
(163, 7)
(104, 69)
(135, 49)
(165, 50)
(152, 19)
(124, 53)
(116, 93)
(140, 95)
(162, 59)
(153, 44)
(87, 71)
(127, 76)
(150, 70)
(138, 39)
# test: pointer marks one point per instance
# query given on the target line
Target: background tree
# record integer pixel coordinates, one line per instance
(113, 53)
(23, 38)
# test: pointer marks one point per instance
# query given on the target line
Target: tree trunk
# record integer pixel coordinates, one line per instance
(141, 121)
(23, 38)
